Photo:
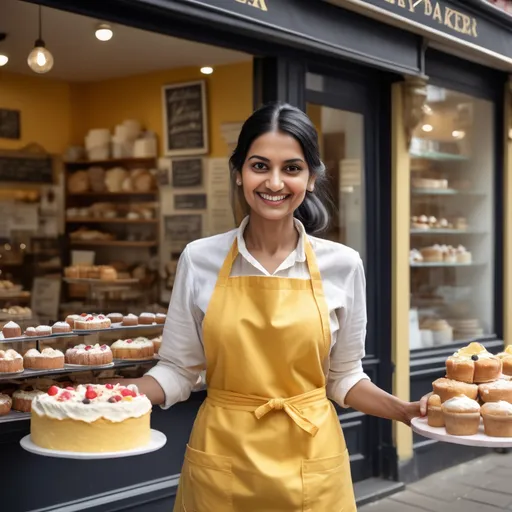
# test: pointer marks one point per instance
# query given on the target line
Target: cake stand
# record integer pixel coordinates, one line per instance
(420, 426)
(157, 441)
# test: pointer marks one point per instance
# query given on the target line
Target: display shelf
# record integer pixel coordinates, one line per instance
(14, 416)
(110, 194)
(19, 296)
(441, 231)
(101, 282)
(113, 243)
(444, 192)
(25, 339)
(444, 265)
(89, 220)
(437, 156)
(112, 161)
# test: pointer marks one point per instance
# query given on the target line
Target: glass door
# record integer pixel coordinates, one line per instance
(351, 114)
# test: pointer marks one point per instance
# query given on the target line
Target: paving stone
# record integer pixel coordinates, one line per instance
(502, 485)
(496, 499)
(473, 506)
(423, 502)
(387, 505)
(501, 471)
(445, 491)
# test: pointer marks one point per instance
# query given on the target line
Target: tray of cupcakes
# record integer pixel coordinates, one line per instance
(472, 405)
(86, 323)
(12, 332)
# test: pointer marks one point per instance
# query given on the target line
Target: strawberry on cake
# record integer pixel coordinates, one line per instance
(92, 322)
(91, 418)
(90, 355)
(10, 361)
(47, 359)
(138, 348)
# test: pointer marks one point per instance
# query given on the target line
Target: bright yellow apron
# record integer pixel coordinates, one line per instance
(266, 439)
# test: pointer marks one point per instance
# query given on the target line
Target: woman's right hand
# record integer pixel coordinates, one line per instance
(424, 403)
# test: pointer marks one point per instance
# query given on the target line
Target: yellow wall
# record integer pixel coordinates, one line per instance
(45, 106)
(56, 114)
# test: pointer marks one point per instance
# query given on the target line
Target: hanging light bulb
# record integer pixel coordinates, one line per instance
(104, 32)
(40, 60)
(3, 59)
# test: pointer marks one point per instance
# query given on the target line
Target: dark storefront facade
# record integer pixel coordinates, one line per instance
(372, 61)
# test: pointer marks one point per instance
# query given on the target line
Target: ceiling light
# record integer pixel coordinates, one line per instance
(427, 127)
(427, 110)
(3, 59)
(458, 134)
(40, 59)
(207, 70)
(104, 32)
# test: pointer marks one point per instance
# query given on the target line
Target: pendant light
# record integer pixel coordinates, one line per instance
(4, 59)
(40, 60)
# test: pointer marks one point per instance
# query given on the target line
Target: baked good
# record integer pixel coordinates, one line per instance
(78, 182)
(448, 388)
(496, 391)
(5, 404)
(71, 319)
(442, 332)
(10, 361)
(91, 418)
(91, 355)
(22, 399)
(92, 322)
(497, 418)
(60, 327)
(147, 318)
(47, 359)
(432, 254)
(130, 320)
(435, 416)
(463, 255)
(43, 330)
(506, 360)
(157, 342)
(473, 364)
(461, 416)
(160, 318)
(139, 348)
(115, 318)
(108, 273)
(11, 330)
(30, 331)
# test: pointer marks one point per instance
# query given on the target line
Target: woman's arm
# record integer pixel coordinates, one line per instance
(147, 385)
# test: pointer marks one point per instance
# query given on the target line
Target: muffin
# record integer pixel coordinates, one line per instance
(43, 330)
(108, 273)
(5, 404)
(146, 318)
(506, 360)
(473, 364)
(130, 320)
(435, 416)
(11, 330)
(160, 318)
(499, 390)
(461, 416)
(60, 327)
(10, 361)
(115, 318)
(448, 388)
(22, 399)
(497, 418)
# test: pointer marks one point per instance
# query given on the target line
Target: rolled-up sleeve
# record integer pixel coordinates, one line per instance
(181, 353)
(345, 366)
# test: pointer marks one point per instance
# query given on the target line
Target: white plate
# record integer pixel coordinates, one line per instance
(420, 426)
(157, 441)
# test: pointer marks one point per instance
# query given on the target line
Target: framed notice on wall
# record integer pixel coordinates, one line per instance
(185, 119)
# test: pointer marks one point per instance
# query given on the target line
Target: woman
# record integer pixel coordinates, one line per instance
(278, 319)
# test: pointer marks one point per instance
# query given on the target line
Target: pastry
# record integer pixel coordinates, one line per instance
(22, 399)
(157, 342)
(70, 319)
(78, 182)
(506, 360)
(463, 255)
(91, 418)
(432, 254)
(139, 348)
(90, 355)
(146, 318)
(60, 327)
(11, 330)
(92, 322)
(160, 318)
(461, 416)
(441, 331)
(495, 391)
(497, 418)
(108, 273)
(5, 404)
(130, 319)
(43, 330)
(473, 364)
(47, 359)
(447, 388)
(10, 361)
(115, 318)
(435, 416)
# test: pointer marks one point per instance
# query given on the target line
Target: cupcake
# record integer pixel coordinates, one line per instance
(448, 388)
(43, 330)
(506, 360)
(115, 318)
(157, 342)
(435, 416)
(11, 330)
(10, 361)
(22, 399)
(146, 318)
(30, 331)
(130, 320)
(497, 418)
(461, 416)
(5, 404)
(473, 364)
(160, 318)
(60, 327)
(499, 390)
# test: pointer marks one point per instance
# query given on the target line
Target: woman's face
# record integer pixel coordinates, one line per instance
(275, 176)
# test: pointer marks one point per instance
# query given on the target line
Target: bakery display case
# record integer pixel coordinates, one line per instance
(452, 220)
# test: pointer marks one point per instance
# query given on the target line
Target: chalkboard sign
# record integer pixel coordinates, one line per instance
(9, 124)
(190, 202)
(187, 173)
(185, 119)
(26, 169)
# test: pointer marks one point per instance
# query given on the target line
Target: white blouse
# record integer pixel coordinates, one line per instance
(182, 353)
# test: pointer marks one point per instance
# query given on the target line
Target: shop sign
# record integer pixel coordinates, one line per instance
(259, 4)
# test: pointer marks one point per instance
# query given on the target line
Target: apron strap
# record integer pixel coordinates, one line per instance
(225, 270)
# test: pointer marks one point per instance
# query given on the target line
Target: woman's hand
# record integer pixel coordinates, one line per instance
(415, 409)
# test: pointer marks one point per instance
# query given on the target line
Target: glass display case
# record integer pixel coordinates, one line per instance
(452, 220)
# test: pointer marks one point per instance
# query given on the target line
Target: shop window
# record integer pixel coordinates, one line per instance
(452, 225)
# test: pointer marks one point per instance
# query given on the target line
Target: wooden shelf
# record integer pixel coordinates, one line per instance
(90, 220)
(112, 161)
(106, 193)
(441, 231)
(113, 243)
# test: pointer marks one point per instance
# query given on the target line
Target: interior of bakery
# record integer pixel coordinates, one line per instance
(94, 235)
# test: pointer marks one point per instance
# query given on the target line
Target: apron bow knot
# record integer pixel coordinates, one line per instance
(277, 404)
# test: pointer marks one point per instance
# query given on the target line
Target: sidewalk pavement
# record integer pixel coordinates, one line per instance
(481, 485)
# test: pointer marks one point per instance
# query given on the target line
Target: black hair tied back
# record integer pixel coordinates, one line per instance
(314, 212)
